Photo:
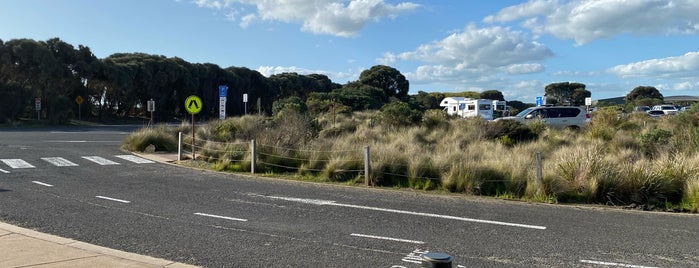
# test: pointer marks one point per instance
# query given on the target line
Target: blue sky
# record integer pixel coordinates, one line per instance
(517, 47)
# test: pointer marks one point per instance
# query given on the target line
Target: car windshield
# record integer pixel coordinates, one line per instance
(523, 113)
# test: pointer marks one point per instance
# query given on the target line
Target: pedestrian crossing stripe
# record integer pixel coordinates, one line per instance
(101, 160)
(59, 161)
(63, 162)
(17, 163)
(135, 159)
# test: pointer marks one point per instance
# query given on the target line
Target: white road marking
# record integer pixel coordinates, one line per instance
(388, 238)
(604, 263)
(4, 171)
(43, 184)
(113, 199)
(100, 160)
(59, 162)
(333, 203)
(219, 217)
(135, 159)
(17, 163)
(78, 141)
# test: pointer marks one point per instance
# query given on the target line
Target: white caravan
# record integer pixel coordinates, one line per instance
(468, 107)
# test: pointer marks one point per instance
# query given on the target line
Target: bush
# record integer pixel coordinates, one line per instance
(159, 137)
(654, 141)
(509, 132)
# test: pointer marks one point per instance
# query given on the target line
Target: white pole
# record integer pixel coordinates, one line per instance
(179, 147)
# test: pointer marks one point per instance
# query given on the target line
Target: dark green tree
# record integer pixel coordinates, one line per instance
(643, 92)
(387, 78)
(492, 95)
(566, 93)
(398, 114)
(426, 101)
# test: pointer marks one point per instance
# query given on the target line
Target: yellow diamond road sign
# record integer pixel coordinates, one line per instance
(79, 100)
(193, 104)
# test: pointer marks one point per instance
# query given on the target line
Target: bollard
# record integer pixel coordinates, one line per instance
(436, 260)
(179, 147)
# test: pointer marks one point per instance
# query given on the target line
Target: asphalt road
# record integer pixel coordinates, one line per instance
(76, 183)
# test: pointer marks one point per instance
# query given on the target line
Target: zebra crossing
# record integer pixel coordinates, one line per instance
(16, 163)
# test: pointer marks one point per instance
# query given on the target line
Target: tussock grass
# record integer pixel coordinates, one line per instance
(631, 161)
(160, 137)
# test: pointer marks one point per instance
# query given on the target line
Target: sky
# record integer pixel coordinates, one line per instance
(516, 47)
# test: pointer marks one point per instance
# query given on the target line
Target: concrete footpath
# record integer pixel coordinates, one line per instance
(21, 247)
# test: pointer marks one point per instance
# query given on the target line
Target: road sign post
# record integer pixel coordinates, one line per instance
(222, 91)
(37, 103)
(245, 101)
(79, 101)
(193, 105)
(151, 109)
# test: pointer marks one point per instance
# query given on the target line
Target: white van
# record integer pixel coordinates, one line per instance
(553, 116)
(467, 107)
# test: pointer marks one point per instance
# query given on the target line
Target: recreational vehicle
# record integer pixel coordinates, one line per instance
(468, 107)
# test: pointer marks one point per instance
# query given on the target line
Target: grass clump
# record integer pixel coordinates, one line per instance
(160, 139)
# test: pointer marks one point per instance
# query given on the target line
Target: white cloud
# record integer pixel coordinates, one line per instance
(475, 53)
(587, 20)
(272, 70)
(686, 66)
(343, 18)
(526, 68)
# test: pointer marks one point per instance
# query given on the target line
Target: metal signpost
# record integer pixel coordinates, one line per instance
(193, 106)
(151, 109)
(79, 101)
(222, 91)
(37, 103)
(245, 101)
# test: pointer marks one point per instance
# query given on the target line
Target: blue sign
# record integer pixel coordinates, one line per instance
(222, 90)
(539, 101)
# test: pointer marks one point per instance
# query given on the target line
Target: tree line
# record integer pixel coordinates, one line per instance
(120, 85)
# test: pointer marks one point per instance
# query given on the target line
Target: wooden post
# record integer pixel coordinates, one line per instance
(367, 168)
(253, 157)
(539, 176)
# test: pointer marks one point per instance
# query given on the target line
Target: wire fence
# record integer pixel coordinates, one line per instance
(340, 165)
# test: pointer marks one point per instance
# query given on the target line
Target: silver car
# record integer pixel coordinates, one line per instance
(554, 116)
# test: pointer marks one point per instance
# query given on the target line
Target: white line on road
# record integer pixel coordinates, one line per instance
(333, 203)
(388, 238)
(43, 184)
(615, 264)
(17, 163)
(219, 217)
(100, 160)
(4, 171)
(59, 161)
(135, 159)
(113, 199)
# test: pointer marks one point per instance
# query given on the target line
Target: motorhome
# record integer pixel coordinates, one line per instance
(468, 107)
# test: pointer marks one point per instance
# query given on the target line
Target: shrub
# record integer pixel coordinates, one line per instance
(158, 137)
(509, 132)
(654, 141)
(433, 119)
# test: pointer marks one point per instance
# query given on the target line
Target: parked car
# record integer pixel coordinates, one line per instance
(553, 116)
(666, 108)
(641, 109)
(656, 113)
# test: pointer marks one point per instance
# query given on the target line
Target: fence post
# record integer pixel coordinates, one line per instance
(179, 146)
(367, 167)
(253, 156)
(538, 173)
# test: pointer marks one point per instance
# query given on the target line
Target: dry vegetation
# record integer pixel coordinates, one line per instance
(631, 161)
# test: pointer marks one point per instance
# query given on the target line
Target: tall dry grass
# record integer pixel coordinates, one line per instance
(618, 160)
